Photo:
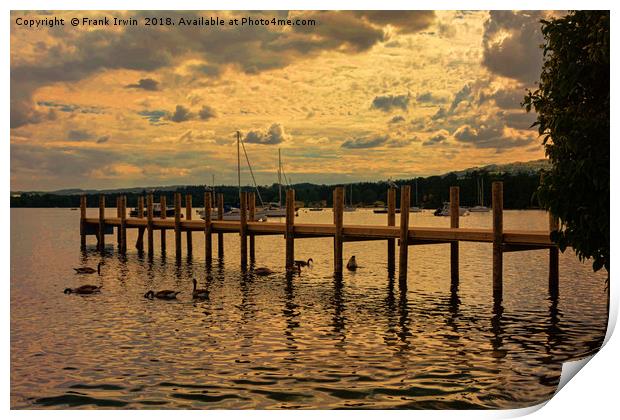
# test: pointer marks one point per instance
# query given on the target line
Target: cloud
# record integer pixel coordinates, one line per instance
(103, 139)
(154, 117)
(206, 113)
(145, 84)
(440, 136)
(274, 135)
(431, 98)
(405, 21)
(519, 120)
(365, 142)
(79, 135)
(489, 136)
(440, 114)
(388, 102)
(460, 96)
(511, 45)
(180, 114)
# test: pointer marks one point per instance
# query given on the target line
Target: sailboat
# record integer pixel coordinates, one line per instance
(350, 206)
(415, 208)
(234, 213)
(480, 208)
(277, 209)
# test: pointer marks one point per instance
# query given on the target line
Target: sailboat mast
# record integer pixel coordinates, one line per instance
(239, 162)
(279, 178)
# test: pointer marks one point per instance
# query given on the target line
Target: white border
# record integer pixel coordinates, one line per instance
(593, 393)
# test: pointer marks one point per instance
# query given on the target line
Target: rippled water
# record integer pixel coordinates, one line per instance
(307, 341)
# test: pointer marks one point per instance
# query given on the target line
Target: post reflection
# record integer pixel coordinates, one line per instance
(497, 330)
(339, 318)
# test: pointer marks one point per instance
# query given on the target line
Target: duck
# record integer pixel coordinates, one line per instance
(87, 289)
(89, 270)
(199, 293)
(262, 271)
(302, 263)
(162, 294)
(352, 264)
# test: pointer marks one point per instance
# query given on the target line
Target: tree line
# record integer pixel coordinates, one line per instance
(429, 192)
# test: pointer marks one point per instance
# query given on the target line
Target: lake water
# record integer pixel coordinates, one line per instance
(307, 341)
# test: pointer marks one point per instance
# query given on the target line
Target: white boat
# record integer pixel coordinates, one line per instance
(350, 206)
(234, 214)
(415, 209)
(445, 210)
(480, 208)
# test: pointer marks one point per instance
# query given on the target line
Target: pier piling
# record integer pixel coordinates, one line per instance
(391, 221)
(149, 223)
(455, 212)
(554, 259)
(338, 207)
(177, 225)
(405, 199)
(252, 218)
(188, 216)
(243, 228)
(220, 216)
(123, 227)
(118, 215)
(498, 237)
(208, 230)
(82, 221)
(162, 205)
(140, 240)
(101, 237)
(290, 228)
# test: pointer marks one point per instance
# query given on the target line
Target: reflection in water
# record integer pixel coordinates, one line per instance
(312, 340)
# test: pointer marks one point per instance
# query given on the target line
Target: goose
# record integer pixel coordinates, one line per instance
(302, 263)
(86, 289)
(162, 294)
(262, 271)
(199, 293)
(352, 264)
(89, 270)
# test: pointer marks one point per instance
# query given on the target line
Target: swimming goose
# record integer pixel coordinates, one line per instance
(302, 263)
(352, 264)
(262, 271)
(86, 289)
(89, 270)
(162, 294)
(199, 293)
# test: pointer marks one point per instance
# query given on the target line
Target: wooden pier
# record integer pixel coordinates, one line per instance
(406, 235)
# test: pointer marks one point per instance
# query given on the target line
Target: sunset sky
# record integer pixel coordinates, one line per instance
(360, 96)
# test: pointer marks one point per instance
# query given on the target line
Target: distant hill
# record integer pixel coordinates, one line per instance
(531, 167)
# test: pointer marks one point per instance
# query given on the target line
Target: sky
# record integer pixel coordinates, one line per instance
(360, 96)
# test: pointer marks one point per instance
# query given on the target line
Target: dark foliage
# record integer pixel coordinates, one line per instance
(572, 103)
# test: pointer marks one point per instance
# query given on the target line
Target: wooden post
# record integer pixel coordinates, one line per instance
(149, 222)
(140, 240)
(243, 228)
(162, 205)
(188, 216)
(405, 199)
(554, 259)
(498, 234)
(391, 221)
(208, 229)
(338, 219)
(83, 221)
(220, 216)
(252, 217)
(118, 216)
(290, 228)
(177, 224)
(455, 212)
(123, 209)
(101, 222)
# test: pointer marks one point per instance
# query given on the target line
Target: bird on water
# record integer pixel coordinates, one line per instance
(162, 294)
(262, 271)
(302, 263)
(87, 289)
(89, 270)
(352, 264)
(199, 293)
